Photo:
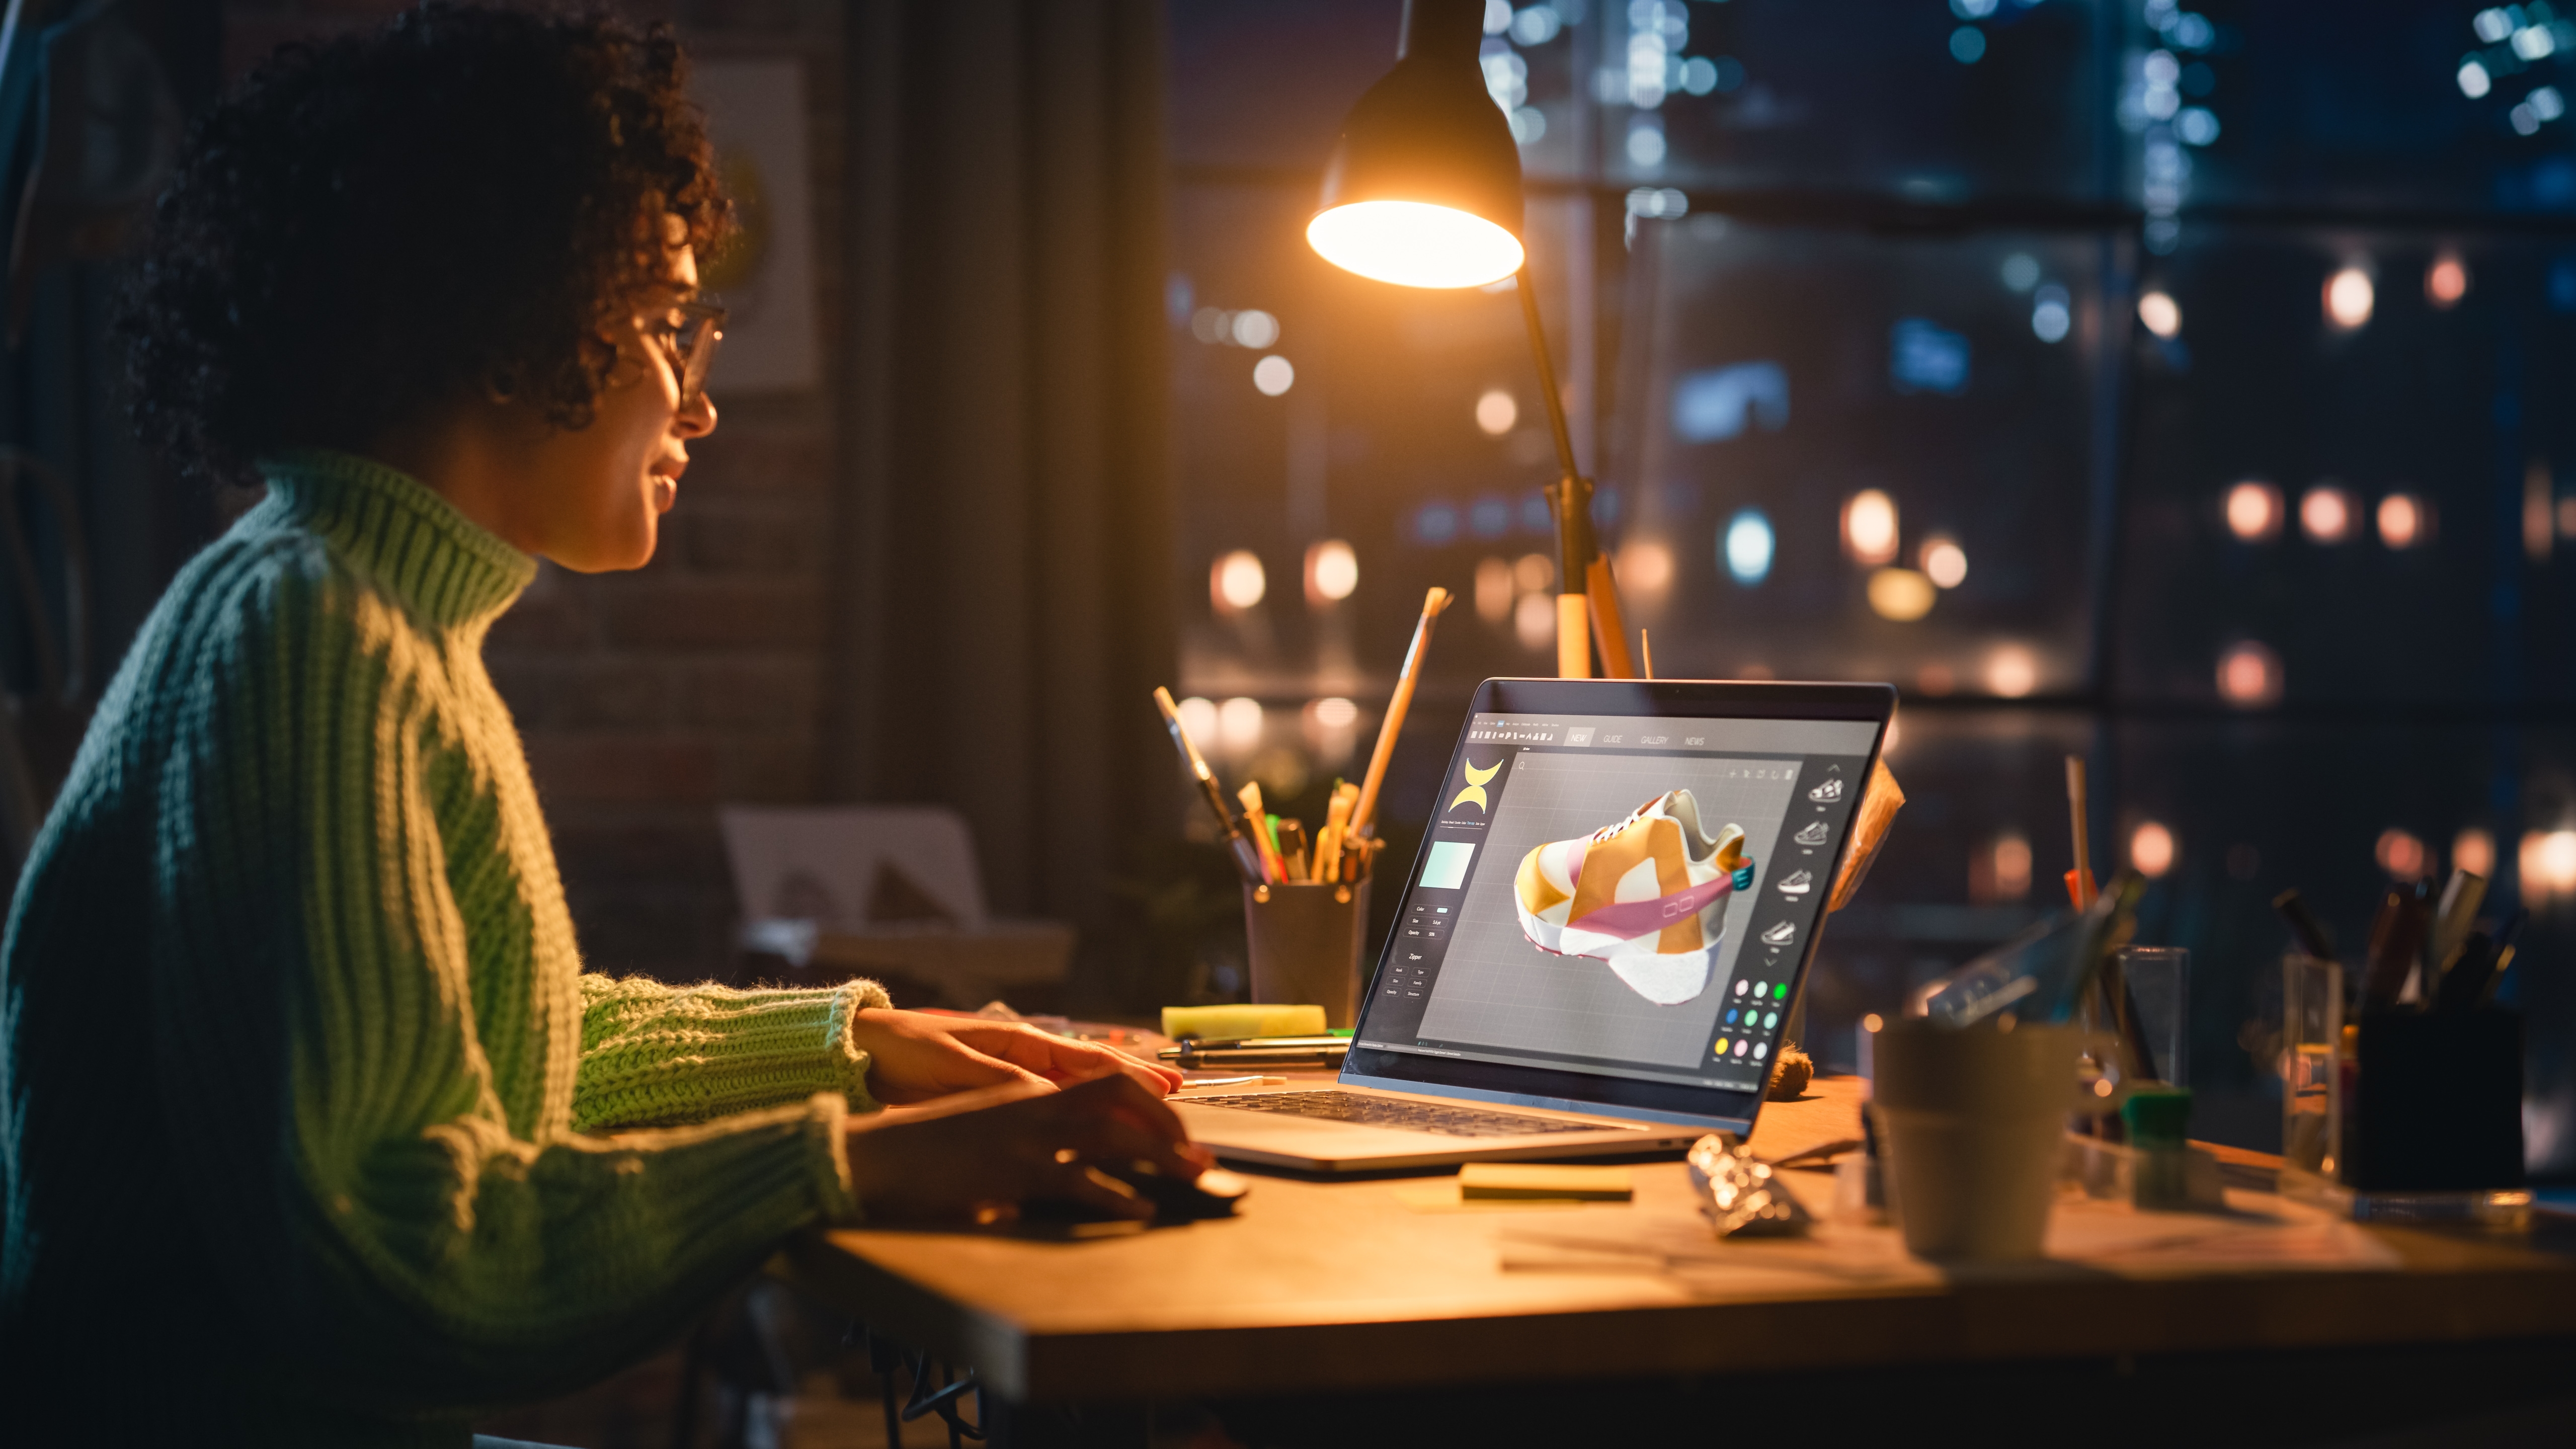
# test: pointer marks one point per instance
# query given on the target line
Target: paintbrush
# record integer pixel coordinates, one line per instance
(1364, 814)
(1247, 858)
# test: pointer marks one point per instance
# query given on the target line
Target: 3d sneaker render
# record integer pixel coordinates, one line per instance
(1829, 791)
(1781, 934)
(1814, 834)
(1646, 897)
(1797, 883)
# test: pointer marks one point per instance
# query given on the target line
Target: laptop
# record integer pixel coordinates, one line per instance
(1610, 917)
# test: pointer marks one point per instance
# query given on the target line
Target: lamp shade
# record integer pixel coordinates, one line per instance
(1424, 188)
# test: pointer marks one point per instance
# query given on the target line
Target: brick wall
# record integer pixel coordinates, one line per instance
(646, 699)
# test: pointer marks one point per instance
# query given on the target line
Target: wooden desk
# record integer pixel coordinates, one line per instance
(1341, 1288)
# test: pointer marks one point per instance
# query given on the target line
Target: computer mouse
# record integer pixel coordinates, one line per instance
(1212, 1194)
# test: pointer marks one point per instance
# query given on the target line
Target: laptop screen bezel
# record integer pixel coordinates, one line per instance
(1584, 1092)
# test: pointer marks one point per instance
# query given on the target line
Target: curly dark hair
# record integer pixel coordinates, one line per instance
(373, 228)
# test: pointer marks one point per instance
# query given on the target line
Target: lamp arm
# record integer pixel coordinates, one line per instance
(1582, 571)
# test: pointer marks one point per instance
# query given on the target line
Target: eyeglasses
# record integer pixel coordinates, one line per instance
(694, 330)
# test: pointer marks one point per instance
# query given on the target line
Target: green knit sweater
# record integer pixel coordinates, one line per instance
(311, 1128)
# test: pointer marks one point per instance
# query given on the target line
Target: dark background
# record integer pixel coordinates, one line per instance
(952, 572)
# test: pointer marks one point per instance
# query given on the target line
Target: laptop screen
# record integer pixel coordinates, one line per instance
(1616, 908)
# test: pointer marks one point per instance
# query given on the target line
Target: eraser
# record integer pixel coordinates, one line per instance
(1223, 1023)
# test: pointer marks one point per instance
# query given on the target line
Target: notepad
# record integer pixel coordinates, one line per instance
(1541, 1180)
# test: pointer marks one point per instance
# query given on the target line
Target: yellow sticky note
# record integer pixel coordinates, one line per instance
(1219, 1023)
(1539, 1179)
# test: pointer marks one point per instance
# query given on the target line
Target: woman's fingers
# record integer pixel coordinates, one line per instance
(1015, 1142)
(1062, 1058)
(1116, 1120)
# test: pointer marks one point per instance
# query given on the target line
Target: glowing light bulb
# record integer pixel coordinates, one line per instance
(1646, 566)
(2473, 850)
(2151, 849)
(2404, 521)
(2254, 511)
(1255, 329)
(2249, 674)
(2327, 514)
(2446, 281)
(2400, 854)
(1747, 546)
(2548, 861)
(1496, 412)
(1332, 570)
(1869, 527)
(1944, 562)
(1237, 582)
(1274, 375)
(1900, 594)
(1415, 244)
(2011, 672)
(2160, 314)
(1493, 590)
(1238, 724)
(2349, 298)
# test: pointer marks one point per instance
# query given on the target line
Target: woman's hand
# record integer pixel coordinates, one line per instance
(979, 1156)
(915, 1056)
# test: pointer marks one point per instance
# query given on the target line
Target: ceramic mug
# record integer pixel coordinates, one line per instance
(1972, 1122)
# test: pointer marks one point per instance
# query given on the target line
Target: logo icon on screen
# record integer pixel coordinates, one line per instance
(1830, 790)
(1813, 835)
(1780, 935)
(1798, 883)
(1477, 779)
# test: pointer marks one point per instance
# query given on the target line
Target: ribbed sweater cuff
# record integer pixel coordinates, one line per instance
(658, 1055)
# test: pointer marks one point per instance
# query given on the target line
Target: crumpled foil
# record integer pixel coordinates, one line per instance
(1738, 1193)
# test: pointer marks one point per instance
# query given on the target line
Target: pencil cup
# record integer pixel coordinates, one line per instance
(1971, 1120)
(1305, 943)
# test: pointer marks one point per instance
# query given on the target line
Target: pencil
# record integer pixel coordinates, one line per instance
(1364, 814)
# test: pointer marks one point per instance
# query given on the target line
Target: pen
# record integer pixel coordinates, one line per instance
(2504, 954)
(2472, 984)
(1247, 860)
(2461, 898)
(2310, 931)
(2396, 938)
(1292, 848)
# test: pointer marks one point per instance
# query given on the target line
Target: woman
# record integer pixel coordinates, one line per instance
(313, 1130)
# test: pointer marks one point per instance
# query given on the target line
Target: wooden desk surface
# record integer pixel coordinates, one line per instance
(1342, 1287)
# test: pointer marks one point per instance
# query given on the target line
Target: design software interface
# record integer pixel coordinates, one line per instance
(1620, 895)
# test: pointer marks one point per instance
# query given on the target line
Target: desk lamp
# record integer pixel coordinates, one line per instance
(1424, 190)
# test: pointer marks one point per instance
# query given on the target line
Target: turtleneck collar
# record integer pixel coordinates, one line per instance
(436, 562)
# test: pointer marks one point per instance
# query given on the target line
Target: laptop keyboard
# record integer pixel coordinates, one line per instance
(1387, 1112)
